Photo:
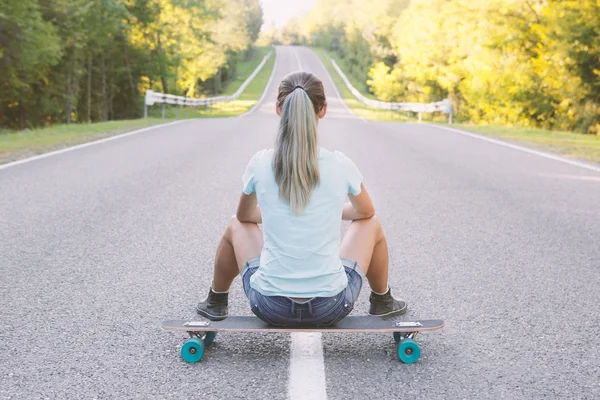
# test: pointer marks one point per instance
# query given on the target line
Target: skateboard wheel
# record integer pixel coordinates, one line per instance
(192, 350)
(397, 337)
(209, 338)
(408, 351)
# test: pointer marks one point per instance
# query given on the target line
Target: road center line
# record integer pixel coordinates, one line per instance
(307, 367)
(297, 59)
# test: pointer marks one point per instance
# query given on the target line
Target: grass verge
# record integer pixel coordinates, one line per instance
(569, 144)
(18, 145)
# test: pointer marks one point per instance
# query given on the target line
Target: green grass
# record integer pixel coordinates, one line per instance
(22, 144)
(575, 145)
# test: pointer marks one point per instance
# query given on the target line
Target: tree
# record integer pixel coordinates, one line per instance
(83, 60)
(29, 46)
(527, 62)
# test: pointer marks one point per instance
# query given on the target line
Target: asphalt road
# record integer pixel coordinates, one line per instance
(100, 244)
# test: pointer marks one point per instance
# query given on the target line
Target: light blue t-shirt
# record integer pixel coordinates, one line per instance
(300, 257)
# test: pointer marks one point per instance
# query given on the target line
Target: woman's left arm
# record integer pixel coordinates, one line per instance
(248, 209)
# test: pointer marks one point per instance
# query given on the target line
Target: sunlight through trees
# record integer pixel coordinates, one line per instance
(522, 62)
(80, 60)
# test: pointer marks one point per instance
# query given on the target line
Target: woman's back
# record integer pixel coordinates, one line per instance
(295, 271)
(300, 257)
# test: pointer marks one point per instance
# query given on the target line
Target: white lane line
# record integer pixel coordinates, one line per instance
(521, 148)
(572, 177)
(266, 87)
(307, 368)
(81, 146)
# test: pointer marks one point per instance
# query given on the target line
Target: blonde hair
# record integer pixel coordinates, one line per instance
(301, 97)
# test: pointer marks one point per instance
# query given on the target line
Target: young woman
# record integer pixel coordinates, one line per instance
(301, 274)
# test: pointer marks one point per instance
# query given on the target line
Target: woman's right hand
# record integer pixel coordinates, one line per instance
(248, 209)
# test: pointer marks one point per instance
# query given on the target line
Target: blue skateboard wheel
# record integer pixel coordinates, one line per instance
(397, 337)
(192, 350)
(209, 338)
(408, 351)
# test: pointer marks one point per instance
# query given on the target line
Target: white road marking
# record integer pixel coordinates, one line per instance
(266, 87)
(307, 368)
(81, 146)
(572, 177)
(297, 59)
(539, 153)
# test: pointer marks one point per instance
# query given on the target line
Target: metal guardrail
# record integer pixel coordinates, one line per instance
(155, 97)
(444, 106)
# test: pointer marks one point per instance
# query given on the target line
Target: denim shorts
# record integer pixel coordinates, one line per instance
(318, 311)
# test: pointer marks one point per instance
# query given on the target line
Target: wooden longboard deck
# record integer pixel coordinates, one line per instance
(348, 324)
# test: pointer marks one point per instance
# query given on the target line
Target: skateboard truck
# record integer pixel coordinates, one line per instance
(408, 335)
(206, 336)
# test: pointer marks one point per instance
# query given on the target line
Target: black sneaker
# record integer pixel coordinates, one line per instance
(214, 307)
(386, 305)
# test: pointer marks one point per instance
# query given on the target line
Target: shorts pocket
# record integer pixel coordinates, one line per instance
(342, 309)
(255, 310)
(268, 312)
(341, 313)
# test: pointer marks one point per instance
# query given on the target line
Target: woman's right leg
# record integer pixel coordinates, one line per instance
(365, 243)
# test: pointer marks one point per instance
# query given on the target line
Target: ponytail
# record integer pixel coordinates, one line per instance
(296, 155)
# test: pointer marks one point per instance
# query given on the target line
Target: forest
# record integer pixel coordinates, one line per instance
(531, 63)
(64, 61)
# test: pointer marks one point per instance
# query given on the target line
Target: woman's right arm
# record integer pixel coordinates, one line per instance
(359, 207)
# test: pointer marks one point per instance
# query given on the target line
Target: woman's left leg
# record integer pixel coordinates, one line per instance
(241, 242)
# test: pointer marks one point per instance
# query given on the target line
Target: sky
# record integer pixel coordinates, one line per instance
(278, 12)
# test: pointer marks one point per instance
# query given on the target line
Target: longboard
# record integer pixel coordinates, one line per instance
(203, 332)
